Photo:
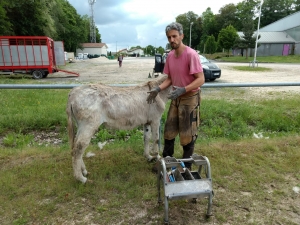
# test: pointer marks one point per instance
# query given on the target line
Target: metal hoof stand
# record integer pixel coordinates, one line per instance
(179, 182)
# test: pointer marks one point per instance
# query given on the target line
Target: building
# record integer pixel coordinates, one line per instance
(135, 52)
(93, 49)
(279, 38)
(132, 52)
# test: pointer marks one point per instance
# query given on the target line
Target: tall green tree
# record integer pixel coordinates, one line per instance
(208, 27)
(149, 50)
(273, 10)
(248, 40)
(27, 17)
(57, 19)
(297, 5)
(227, 16)
(244, 9)
(98, 36)
(72, 29)
(227, 38)
(5, 25)
(185, 20)
(211, 44)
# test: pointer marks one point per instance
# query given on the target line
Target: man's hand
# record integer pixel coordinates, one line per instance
(176, 92)
(152, 94)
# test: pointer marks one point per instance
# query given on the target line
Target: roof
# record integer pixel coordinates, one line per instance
(135, 49)
(272, 37)
(94, 45)
(123, 50)
(285, 23)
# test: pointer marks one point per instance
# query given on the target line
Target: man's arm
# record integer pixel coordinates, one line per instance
(167, 82)
(198, 82)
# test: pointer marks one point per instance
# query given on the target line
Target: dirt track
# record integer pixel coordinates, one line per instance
(137, 70)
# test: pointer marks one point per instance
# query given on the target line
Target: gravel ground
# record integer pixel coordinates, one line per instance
(137, 70)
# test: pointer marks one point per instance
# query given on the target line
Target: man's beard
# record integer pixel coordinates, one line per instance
(175, 46)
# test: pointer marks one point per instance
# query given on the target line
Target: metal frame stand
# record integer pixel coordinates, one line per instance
(179, 182)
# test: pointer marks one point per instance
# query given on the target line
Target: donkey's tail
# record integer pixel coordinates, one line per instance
(71, 125)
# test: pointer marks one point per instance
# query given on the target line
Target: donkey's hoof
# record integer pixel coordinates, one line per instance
(89, 181)
(152, 159)
(85, 173)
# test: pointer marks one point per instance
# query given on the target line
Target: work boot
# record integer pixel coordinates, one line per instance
(168, 148)
(188, 151)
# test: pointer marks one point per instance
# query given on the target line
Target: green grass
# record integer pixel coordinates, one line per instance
(23, 110)
(37, 186)
(254, 69)
(27, 110)
(260, 59)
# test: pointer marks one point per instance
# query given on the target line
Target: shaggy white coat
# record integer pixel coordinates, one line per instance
(89, 106)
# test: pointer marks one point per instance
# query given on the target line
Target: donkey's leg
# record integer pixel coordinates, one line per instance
(147, 136)
(82, 140)
(83, 168)
(155, 137)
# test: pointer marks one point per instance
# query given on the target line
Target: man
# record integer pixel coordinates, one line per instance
(120, 59)
(185, 74)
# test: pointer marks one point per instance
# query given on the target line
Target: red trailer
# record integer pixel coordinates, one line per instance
(36, 55)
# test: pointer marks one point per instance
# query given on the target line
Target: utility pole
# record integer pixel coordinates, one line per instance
(191, 33)
(257, 32)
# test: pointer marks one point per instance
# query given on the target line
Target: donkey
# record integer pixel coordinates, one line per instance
(124, 108)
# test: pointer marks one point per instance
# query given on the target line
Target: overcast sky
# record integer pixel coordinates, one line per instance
(126, 23)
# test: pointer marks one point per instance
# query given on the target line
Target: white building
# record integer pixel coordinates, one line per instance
(135, 52)
(93, 49)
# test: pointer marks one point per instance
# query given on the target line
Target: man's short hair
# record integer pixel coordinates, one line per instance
(175, 26)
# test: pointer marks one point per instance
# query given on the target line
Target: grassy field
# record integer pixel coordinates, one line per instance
(253, 177)
(260, 59)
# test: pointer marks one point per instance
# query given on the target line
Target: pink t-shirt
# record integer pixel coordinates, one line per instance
(181, 69)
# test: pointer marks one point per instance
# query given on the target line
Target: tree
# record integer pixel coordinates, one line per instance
(227, 37)
(244, 9)
(227, 16)
(160, 50)
(57, 19)
(149, 50)
(185, 20)
(273, 10)
(248, 40)
(297, 5)
(211, 44)
(5, 25)
(208, 27)
(28, 17)
(72, 28)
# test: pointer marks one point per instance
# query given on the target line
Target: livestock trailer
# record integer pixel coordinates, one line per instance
(36, 55)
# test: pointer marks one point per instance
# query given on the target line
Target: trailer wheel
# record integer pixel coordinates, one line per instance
(38, 74)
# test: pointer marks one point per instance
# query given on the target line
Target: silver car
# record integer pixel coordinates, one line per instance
(211, 70)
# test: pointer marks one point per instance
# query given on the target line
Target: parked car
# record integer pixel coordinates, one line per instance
(210, 69)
